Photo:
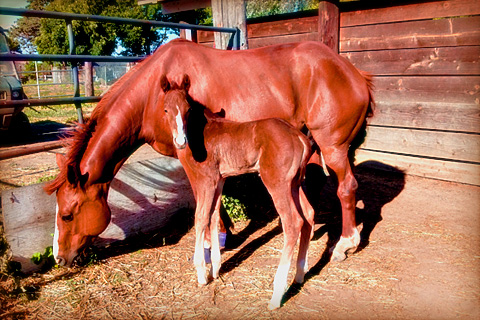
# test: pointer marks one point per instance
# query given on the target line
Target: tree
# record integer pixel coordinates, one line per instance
(98, 38)
(49, 36)
(260, 8)
(27, 28)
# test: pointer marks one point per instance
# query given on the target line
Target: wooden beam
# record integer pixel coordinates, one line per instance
(459, 117)
(88, 79)
(429, 168)
(449, 32)
(173, 6)
(422, 61)
(30, 148)
(451, 146)
(329, 23)
(188, 34)
(415, 11)
(229, 14)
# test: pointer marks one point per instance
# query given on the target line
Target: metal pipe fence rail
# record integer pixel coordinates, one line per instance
(75, 59)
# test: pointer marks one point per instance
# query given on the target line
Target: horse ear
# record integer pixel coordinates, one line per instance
(164, 84)
(83, 179)
(72, 175)
(186, 82)
(60, 160)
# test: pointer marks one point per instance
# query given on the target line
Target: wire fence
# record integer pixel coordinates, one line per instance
(57, 83)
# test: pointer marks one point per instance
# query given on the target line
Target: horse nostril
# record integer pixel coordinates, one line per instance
(60, 261)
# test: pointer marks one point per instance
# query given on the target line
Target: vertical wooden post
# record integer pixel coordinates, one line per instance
(188, 34)
(329, 23)
(88, 78)
(229, 14)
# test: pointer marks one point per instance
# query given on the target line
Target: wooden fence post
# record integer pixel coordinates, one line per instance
(188, 34)
(229, 14)
(329, 23)
(88, 78)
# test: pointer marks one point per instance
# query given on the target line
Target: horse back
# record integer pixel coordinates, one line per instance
(303, 83)
(246, 147)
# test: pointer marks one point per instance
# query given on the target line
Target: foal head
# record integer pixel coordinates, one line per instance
(176, 106)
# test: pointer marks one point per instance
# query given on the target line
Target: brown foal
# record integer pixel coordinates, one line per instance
(272, 147)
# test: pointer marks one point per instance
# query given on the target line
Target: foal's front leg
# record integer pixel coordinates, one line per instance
(203, 212)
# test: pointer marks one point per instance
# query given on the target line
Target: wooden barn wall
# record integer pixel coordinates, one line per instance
(425, 59)
(425, 62)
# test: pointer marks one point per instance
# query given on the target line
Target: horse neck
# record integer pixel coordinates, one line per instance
(114, 138)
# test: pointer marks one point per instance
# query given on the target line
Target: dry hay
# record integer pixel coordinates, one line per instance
(160, 283)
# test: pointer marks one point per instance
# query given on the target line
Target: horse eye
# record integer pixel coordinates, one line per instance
(165, 111)
(67, 218)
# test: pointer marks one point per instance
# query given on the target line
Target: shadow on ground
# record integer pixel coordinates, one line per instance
(26, 133)
(378, 184)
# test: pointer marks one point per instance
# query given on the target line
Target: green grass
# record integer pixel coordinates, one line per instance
(58, 113)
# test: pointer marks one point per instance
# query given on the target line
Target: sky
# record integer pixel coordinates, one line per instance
(7, 21)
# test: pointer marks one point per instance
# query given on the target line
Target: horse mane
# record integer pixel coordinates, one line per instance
(76, 143)
(77, 140)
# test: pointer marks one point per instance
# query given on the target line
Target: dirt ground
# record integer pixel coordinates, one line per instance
(419, 259)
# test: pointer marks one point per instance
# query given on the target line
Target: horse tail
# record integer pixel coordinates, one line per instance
(362, 133)
(370, 86)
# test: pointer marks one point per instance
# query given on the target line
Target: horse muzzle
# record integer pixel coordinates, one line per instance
(180, 143)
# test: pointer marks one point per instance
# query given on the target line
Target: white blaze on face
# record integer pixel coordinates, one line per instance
(180, 139)
(55, 235)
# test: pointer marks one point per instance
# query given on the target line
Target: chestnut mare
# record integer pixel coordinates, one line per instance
(304, 83)
(271, 147)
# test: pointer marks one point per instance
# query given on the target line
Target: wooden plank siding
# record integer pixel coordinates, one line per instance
(425, 58)
(428, 10)
(450, 32)
(425, 61)
(290, 28)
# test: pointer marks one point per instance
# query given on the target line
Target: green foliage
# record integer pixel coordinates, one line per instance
(49, 36)
(236, 210)
(260, 8)
(46, 257)
(46, 178)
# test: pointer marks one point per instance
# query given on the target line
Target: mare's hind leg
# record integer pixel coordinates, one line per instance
(305, 237)
(336, 159)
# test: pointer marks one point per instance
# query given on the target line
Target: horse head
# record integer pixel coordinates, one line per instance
(176, 106)
(82, 212)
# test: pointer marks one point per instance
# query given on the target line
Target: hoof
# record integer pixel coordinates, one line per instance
(337, 256)
(345, 245)
(202, 280)
(299, 279)
(273, 306)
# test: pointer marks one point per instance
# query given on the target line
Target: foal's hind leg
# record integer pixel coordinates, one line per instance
(336, 159)
(291, 223)
(214, 234)
(306, 236)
